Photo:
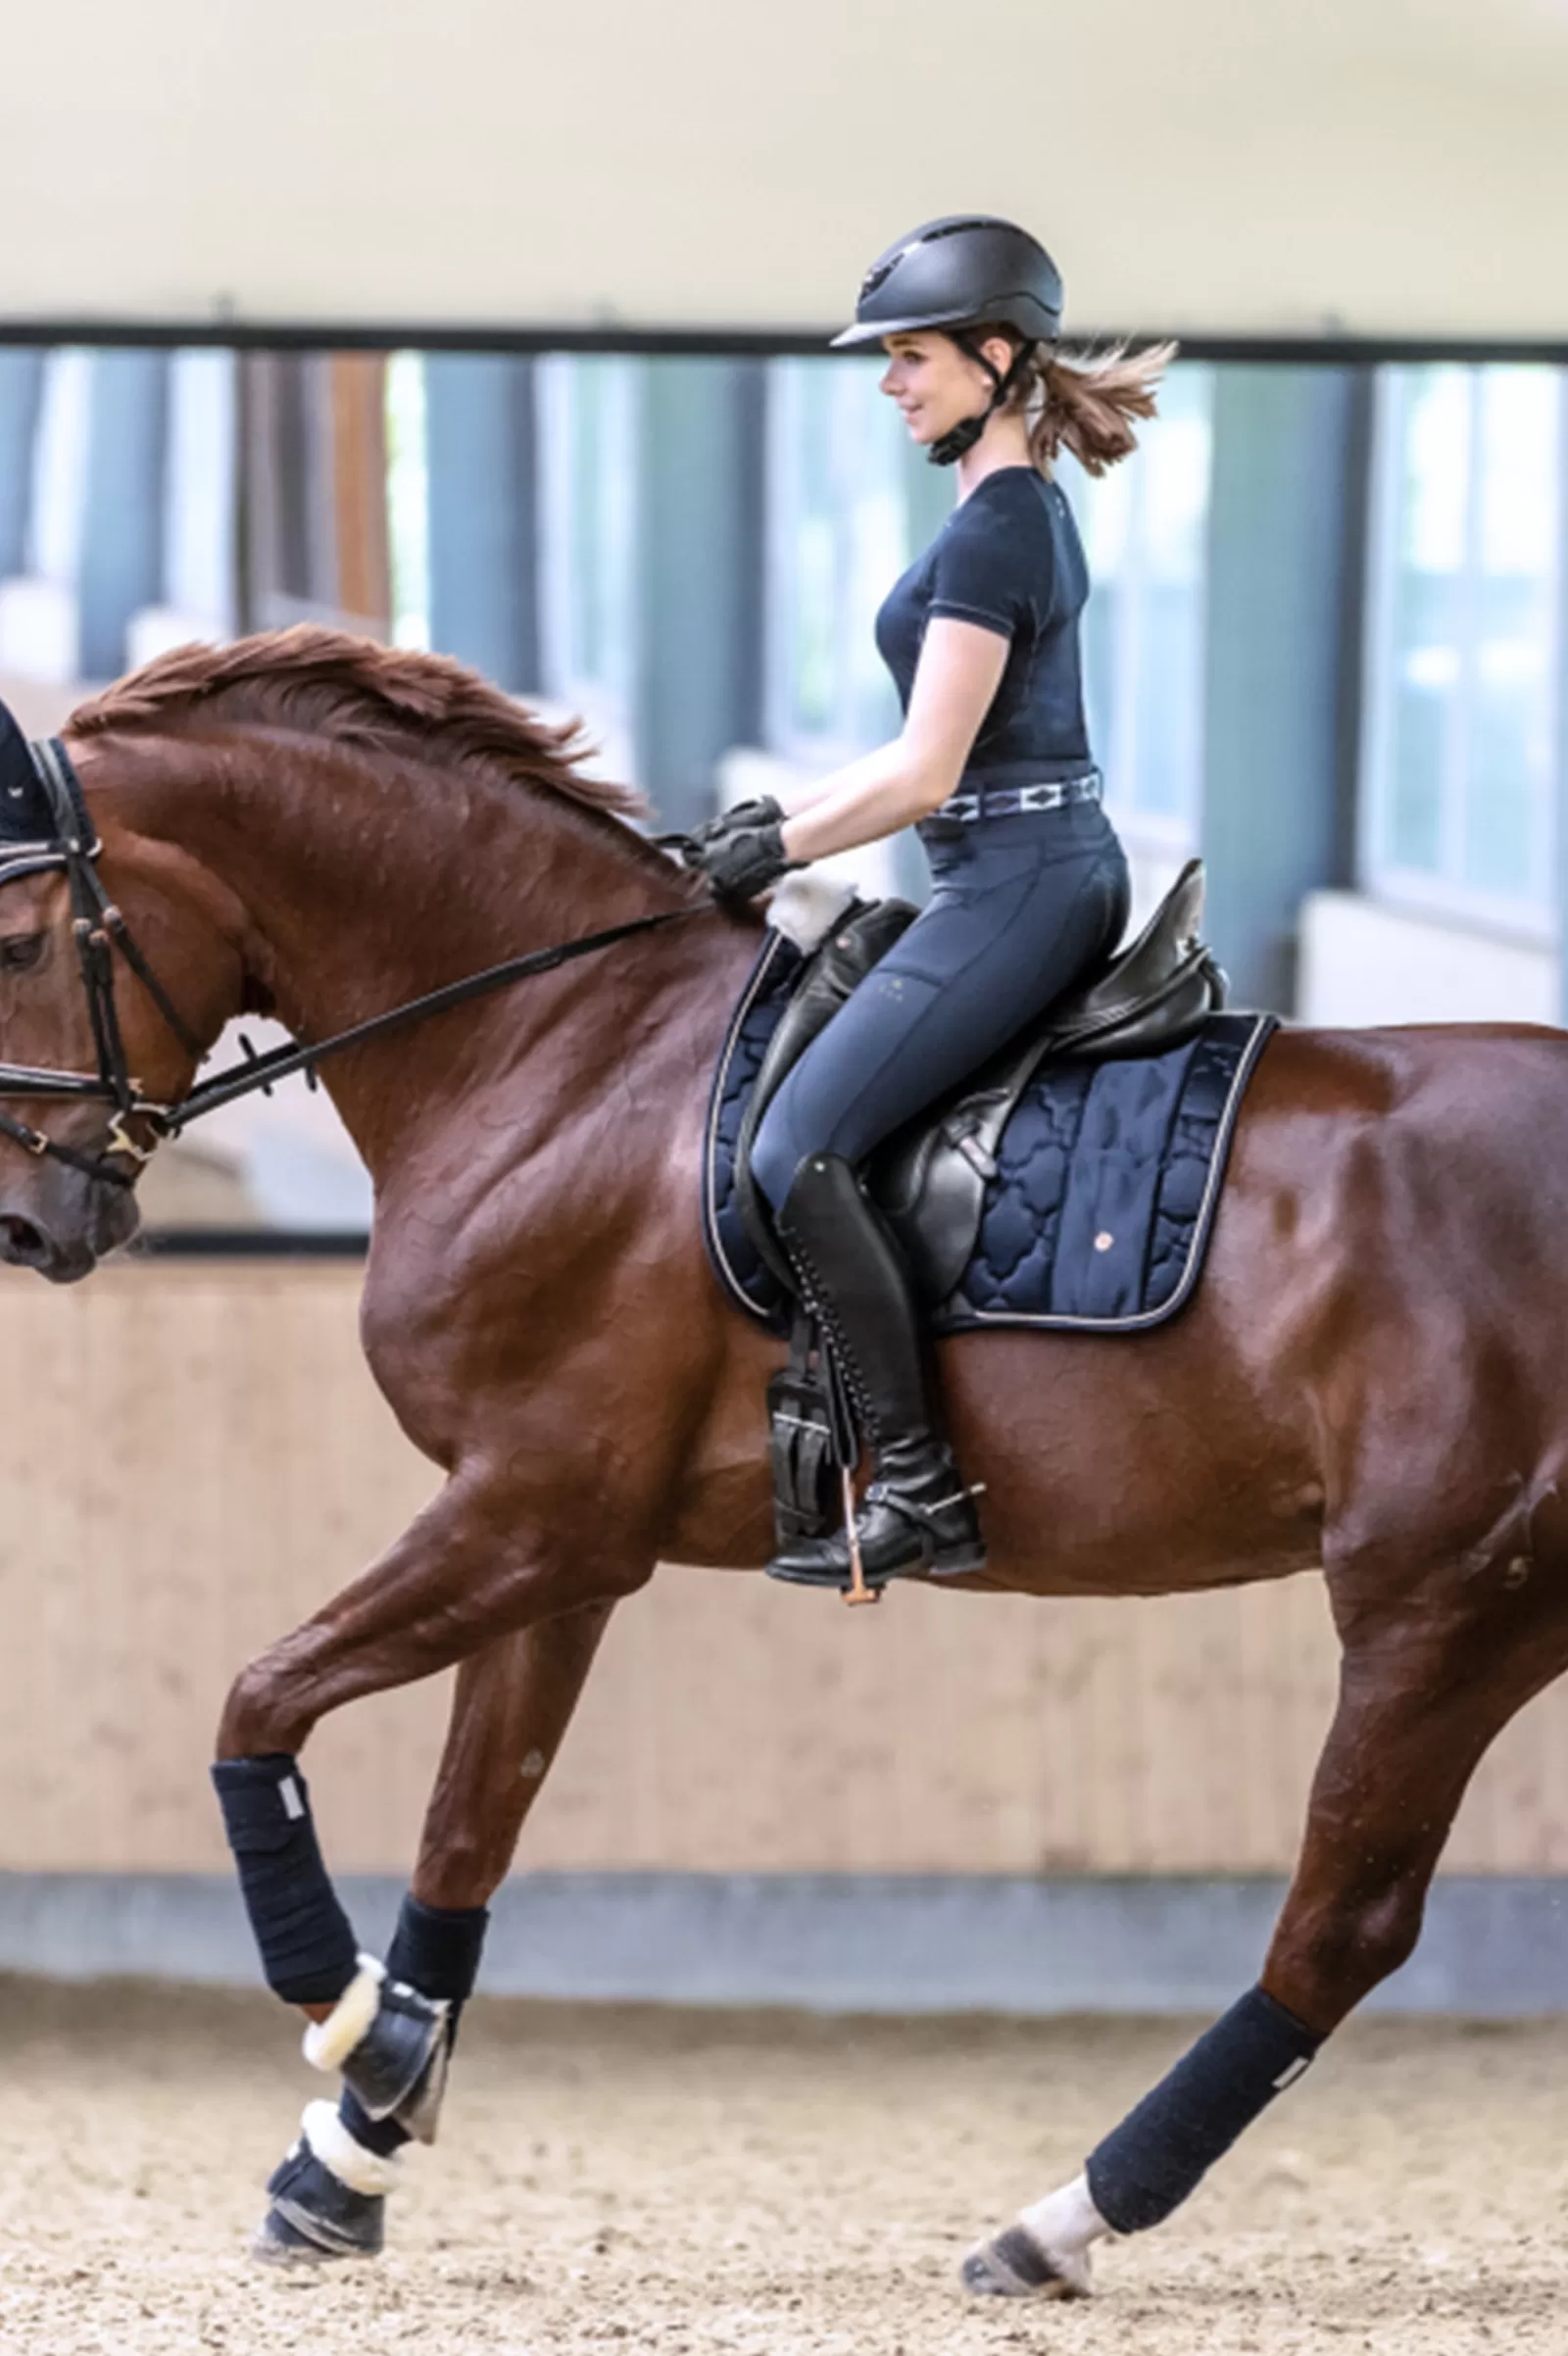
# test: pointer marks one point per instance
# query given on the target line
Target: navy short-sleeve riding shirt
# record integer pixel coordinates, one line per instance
(1008, 560)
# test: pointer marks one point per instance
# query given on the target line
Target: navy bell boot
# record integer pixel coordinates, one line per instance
(329, 2196)
(917, 1517)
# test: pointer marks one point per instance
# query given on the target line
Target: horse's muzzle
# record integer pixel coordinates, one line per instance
(63, 1222)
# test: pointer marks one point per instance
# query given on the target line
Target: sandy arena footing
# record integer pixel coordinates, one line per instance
(643, 2178)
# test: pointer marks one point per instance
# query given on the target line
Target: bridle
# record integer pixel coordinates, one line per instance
(99, 930)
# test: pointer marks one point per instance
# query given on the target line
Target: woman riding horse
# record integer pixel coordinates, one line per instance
(1369, 1379)
(1030, 882)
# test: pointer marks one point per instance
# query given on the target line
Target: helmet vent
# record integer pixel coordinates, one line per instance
(881, 271)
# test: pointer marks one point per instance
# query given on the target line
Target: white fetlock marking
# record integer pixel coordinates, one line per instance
(1064, 2225)
(360, 2170)
(330, 2042)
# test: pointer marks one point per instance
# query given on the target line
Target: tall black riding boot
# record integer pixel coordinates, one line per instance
(916, 1515)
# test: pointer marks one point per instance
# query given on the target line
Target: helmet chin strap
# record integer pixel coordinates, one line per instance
(950, 446)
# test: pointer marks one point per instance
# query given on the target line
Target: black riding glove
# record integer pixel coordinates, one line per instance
(743, 861)
(764, 810)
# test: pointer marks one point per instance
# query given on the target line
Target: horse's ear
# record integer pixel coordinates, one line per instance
(24, 808)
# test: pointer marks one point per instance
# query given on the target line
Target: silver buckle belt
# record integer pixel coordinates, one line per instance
(1011, 800)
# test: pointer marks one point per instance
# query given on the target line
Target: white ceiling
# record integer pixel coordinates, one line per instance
(1244, 165)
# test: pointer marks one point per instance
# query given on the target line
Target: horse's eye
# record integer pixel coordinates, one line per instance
(21, 951)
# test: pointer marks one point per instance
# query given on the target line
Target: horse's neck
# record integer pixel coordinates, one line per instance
(364, 887)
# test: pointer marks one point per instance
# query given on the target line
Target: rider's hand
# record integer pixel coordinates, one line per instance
(743, 860)
(763, 811)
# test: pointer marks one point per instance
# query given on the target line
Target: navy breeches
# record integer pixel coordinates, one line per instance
(1020, 907)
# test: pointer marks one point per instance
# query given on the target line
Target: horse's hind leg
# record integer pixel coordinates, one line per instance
(512, 1708)
(1421, 1697)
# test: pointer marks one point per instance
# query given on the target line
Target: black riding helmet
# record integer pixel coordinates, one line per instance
(967, 270)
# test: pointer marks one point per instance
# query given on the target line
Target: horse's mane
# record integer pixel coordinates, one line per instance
(378, 698)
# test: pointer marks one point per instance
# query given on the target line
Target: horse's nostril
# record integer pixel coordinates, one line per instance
(23, 1237)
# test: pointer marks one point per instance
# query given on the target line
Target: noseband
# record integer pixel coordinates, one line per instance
(99, 930)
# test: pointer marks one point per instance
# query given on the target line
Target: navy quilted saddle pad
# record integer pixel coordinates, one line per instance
(1108, 1177)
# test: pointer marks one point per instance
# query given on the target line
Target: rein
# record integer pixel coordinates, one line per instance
(99, 929)
(260, 1071)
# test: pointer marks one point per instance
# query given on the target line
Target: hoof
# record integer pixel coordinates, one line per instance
(318, 2213)
(1013, 2266)
(279, 2241)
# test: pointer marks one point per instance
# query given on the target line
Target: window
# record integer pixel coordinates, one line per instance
(408, 499)
(848, 503)
(1463, 632)
(588, 416)
(1144, 526)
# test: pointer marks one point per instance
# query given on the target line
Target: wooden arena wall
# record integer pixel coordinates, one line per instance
(195, 1457)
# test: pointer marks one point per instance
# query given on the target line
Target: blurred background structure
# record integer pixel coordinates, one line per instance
(502, 333)
(1326, 645)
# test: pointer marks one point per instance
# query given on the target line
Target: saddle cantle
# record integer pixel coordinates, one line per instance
(1071, 1182)
(1153, 994)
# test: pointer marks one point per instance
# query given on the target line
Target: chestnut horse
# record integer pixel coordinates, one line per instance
(1371, 1377)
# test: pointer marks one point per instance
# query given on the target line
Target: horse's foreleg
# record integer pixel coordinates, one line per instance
(483, 1560)
(455, 1581)
(1416, 1710)
(510, 1712)
(473, 1569)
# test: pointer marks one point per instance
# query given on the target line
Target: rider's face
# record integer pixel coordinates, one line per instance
(935, 383)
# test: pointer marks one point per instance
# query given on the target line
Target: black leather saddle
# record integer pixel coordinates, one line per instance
(930, 1179)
